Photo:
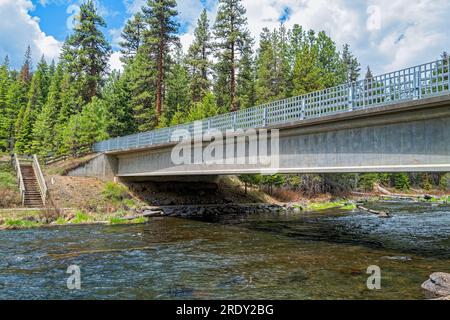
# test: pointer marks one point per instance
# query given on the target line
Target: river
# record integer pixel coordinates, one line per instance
(269, 256)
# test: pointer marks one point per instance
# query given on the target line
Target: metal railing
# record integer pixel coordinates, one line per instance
(40, 179)
(20, 181)
(412, 83)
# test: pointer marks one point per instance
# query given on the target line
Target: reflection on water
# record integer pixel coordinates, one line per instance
(300, 256)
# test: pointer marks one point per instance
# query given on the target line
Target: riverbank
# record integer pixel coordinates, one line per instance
(17, 218)
(81, 201)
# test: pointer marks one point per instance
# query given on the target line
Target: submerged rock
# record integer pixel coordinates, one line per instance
(438, 284)
(398, 258)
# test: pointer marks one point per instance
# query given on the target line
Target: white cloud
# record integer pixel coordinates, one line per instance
(423, 24)
(115, 63)
(18, 30)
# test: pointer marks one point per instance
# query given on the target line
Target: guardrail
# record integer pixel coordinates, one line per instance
(40, 179)
(412, 83)
(16, 164)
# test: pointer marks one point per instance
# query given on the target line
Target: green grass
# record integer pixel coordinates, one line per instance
(115, 191)
(12, 223)
(319, 206)
(7, 176)
(61, 221)
(119, 221)
(81, 217)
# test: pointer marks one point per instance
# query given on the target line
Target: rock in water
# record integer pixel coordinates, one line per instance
(438, 284)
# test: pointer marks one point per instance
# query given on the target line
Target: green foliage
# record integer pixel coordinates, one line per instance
(444, 182)
(161, 33)
(80, 217)
(367, 181)
(21, 224)
(133, 36)
(402, 182)
(86, 52)
(115, 191)
(119, 221)
(207, 108)
(231, 36)
(426, 182)
(198, 59)
(85, 128)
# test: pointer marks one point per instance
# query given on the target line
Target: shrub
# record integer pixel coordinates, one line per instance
(426, 182)
(115, 191)
(80, 217)
(367, 181)
(444, 183)
(401, 182)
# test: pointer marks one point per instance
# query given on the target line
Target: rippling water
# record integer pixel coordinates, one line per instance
(286, 256)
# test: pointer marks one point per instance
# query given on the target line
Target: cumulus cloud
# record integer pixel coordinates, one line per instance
(18, 29)
(385, 34)
(115, 63)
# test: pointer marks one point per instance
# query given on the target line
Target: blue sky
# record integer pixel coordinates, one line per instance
(385, 34)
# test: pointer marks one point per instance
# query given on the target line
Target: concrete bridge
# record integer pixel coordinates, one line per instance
(396, 122)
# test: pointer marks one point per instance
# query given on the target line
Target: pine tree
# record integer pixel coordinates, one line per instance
(177, 87)
(5, 83)
(350, 64)
(273, 66)
(205, 109)
(142, 86)
(232, 36)
(26, 70)
(117, 95)
(86, 52)
(306, 74)
(369, 74)
(85, 128)
(44, 130)
(161, 34)
(329, 62)
(132, 36)
(246, 91)
(36, 100)
(198, 59)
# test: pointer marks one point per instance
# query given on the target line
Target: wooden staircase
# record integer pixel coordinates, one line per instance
(32, 198)
(31, 180)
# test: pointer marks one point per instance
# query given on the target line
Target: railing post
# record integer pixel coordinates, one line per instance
(448, 73)
(303, 110)
(234, 121)
(265, 117)
(350, 97)
(417, 84)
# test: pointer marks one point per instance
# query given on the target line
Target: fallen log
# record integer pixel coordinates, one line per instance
(381, 214)
(147, 214)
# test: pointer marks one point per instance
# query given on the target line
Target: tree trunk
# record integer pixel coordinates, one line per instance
(160, 80)
(233, 81)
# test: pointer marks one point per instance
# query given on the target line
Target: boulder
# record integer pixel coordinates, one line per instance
(438, 284)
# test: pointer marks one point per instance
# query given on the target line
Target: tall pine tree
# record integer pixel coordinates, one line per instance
(198, 59)
(232, 37)
(132, 35)
(161, 34)
(86, 52)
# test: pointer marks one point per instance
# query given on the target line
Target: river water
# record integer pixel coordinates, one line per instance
(278, 256)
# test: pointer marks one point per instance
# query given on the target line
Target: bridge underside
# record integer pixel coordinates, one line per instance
(408, 137)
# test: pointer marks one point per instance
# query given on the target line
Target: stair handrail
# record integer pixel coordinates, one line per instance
(19, 178)
(40, 178)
